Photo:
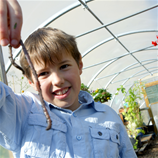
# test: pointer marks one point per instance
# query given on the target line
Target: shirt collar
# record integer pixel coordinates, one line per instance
(85, 99)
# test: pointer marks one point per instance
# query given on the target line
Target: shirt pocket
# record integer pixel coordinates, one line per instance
(105, 143)
(38, 142)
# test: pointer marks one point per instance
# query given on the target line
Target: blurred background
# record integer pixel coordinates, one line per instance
(114, 37)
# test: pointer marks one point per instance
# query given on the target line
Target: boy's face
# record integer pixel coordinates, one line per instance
(60, 82)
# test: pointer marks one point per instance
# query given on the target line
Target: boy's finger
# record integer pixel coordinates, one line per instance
(4, 32)
(16, 20)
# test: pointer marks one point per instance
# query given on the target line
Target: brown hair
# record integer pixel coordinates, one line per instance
(46, 46)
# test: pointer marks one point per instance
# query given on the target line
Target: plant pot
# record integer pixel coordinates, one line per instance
(140, 133)
(132, 141)
(149, 129)
(139, 136)
(139, 145)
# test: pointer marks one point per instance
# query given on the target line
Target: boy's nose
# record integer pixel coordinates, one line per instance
(57, 79)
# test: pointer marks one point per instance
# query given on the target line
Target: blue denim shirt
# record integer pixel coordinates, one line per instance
(94, 130)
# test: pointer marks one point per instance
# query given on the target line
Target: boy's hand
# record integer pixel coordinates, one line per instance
(10, 23)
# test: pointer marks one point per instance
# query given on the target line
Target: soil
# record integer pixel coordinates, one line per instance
(151, 151)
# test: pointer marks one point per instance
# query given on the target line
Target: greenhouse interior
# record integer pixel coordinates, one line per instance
(118, 41)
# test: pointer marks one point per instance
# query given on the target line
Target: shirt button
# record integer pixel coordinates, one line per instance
(74, 115)
(100, 133)
(78, 137)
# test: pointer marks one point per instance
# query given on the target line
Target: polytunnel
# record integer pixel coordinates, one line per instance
(114, 37)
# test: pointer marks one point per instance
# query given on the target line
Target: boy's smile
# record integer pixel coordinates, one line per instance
(60, 82)
(61, 92)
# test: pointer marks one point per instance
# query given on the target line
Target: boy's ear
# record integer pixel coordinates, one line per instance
(32, 85)
(80, 64)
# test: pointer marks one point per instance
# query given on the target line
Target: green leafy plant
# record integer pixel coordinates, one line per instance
(131, 109)
(99, 95)
(84, 88)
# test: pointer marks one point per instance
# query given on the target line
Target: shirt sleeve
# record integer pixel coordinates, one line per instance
(14, 110)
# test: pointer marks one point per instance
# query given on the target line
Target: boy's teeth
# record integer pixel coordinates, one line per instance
(62, 92)
(65, 90)
(59, 93)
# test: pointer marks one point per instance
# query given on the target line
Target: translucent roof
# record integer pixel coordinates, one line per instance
(114, 37)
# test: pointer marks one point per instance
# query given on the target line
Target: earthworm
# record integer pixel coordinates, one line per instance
(12, 60)
(49, 121)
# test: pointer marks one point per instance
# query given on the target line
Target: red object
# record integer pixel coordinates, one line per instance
(154, 43)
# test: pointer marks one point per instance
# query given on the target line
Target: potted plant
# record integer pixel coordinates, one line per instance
(131, 110)
(99, 95)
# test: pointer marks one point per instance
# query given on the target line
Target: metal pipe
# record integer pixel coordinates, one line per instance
(126, 69)
(117, 21)
(3, 76)
(114, 36)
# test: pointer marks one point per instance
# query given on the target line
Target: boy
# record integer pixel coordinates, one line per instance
(80, 127)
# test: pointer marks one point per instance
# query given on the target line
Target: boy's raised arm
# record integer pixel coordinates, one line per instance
(10, 23)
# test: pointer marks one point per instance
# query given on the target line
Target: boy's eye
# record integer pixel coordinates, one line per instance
(42, 74)
(64, 66)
